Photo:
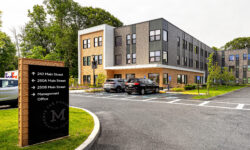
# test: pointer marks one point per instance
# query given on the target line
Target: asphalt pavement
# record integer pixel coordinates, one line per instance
(169, 121)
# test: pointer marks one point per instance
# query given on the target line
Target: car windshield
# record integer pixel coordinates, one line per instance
(132, 80)
(109, 80)
(8, 83)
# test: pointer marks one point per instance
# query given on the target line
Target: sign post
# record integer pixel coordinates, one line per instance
(198, 80)
(169, 79)
(43, 101)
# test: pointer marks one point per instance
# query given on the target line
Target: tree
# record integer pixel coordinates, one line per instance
(238, 43)
(100, 79)
(8, 61)
(210, 78)
(216, 75)
(215, 48)
(0, 19)
(59, 35)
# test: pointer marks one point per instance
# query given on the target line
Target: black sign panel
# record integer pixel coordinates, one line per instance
(48, 103)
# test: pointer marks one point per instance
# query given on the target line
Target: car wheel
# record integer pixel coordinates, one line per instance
(129, 93)
(142, 92)
(107, 91)
(156, 90)
(118, 89)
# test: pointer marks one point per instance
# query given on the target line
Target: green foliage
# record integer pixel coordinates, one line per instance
(238, 43)
(0, 19)
(190, 87)
(215, 48)
(8, 60)
(81, 125)
(210, 71)
(227, 76)
(58, 37)
(100, 79)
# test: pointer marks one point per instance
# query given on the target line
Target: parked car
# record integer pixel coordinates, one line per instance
(141, 86)
(8, 91)
(115, 84)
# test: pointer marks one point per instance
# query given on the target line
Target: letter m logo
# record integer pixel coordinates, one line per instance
(56, 116)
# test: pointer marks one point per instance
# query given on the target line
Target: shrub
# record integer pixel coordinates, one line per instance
(190, 87)
(177, 89)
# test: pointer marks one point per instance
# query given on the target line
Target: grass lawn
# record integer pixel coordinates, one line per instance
(213, 91)
(81, 125)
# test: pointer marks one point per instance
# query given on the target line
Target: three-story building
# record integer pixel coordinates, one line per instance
(154, 49)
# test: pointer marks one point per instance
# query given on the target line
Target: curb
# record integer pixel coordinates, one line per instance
(87, 144)
(211, 98)
(76, 91)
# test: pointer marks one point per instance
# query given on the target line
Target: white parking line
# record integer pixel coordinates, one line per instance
(174, 101)
(240, 106)
(149, 99)
(204, 103)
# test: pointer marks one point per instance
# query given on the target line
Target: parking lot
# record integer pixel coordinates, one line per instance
(167, 98)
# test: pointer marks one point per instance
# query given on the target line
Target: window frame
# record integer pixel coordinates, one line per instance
(165, 79)
(128, 39)
(128, 59)
(118, 40)
(133, 38)
(99, 59)
(100, 41)
(231, 58)
(155, 36)
(155, 57)
(134, 58)
(165, 35)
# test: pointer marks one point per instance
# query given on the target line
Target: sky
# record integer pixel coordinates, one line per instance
(214, 22)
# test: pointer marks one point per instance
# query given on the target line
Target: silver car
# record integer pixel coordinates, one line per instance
(115, 84)
(8, 91)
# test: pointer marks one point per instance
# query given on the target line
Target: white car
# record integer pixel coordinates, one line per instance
(8, 91)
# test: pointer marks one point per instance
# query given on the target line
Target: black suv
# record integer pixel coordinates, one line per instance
(141, 86)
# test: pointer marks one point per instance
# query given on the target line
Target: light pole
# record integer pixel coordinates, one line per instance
(94, 66)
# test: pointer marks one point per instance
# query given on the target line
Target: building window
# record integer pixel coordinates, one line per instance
(95, 42)
(185, 61)
(191, 47)
(165, 35)
(182, 79)
(84, 61)
(165, 78)
(99, 59)
(196, 50)
(201, 52)
(117, 75)
(165, 57)
(88, 60)
(231, 58)
(197, 64)
(190, 62)
(231, 68)
(237, 57)
(96, 58)
(118, 59)
(99, 41)
(201, 65)
(130, 76)
(244, 56)
(205, 54)
(128, 59)
(118, 41)
(178, 41)
(178, 60)
(155, 35)
(86, 79)
(133, 58)
(86, 43)
(155, 56)
(154, 77)
(248, 56)
(128, 39)
(248, 67)
(133, 38)
(184, 45)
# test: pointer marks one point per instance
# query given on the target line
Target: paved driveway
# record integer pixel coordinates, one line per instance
(151, 122)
